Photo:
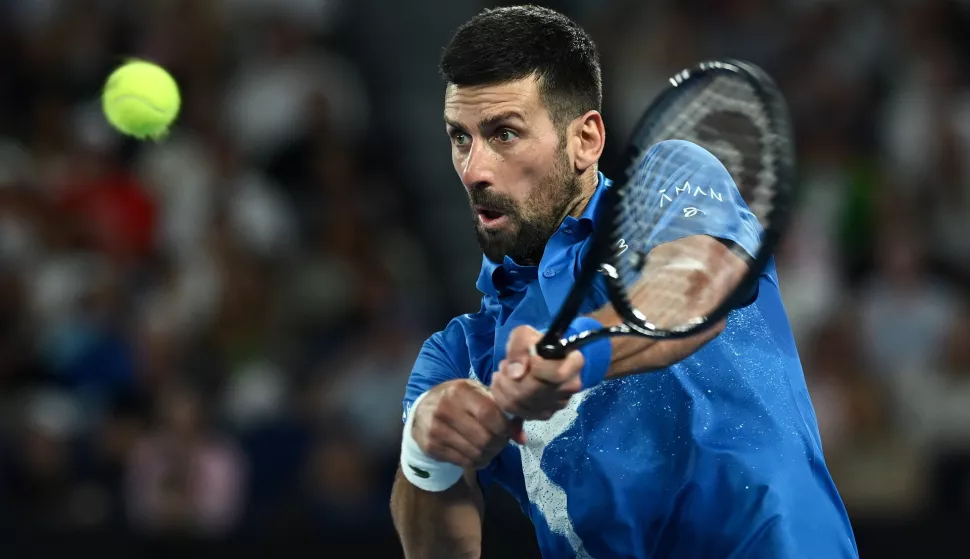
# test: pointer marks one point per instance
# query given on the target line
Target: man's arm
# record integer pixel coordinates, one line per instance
(453, 433)
(445, 525)
(633, 354)
(530, 387)
(687, 177)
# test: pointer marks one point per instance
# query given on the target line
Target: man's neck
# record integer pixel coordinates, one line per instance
(588, 183)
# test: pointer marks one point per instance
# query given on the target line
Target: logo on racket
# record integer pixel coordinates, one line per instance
(621, 247)
(692, 211)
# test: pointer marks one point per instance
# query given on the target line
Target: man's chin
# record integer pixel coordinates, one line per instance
(495, 246)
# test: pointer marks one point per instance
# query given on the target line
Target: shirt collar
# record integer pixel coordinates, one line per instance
(490, 270)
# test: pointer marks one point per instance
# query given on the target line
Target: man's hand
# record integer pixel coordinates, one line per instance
(459, 422)
(530, 387)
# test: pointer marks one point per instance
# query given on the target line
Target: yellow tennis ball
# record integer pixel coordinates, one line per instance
(141, 99)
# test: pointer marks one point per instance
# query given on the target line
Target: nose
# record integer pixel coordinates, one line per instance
(477, 168)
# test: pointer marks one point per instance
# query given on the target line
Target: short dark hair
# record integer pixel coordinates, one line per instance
(511, 43)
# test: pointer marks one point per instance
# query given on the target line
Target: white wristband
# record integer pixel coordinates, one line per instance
(421, 470)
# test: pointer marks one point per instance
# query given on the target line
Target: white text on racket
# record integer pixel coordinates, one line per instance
(621, 247)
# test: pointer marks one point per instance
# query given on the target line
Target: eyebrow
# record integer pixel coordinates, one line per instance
(488, 122)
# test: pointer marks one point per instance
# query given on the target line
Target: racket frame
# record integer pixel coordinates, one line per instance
(600, 258)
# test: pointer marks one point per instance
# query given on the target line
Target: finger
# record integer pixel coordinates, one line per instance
(471, 429)
(530, 408)
(543, 407)
(513, 369)
(455, 421)
(545, 391)
(510, 395)
(488, 411)
(501, 397)
(520, 343)
(505, 393)
(451, 456)
(516, 370)
(502, 368)
(558, 373)
(493, 449)
(545, 398)
(470, 441)
(528, 398)
(448, 450)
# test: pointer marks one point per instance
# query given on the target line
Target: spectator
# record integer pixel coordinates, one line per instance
(183, 479)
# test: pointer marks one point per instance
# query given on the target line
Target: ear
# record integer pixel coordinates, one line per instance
(587, 138)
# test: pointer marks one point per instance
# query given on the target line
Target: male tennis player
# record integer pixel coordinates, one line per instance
(706, 447)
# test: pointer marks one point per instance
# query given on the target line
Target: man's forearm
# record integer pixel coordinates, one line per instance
(634, 354)
(445, 525)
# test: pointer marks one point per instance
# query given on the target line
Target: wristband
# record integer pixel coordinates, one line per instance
(420, 469)
(597, 354)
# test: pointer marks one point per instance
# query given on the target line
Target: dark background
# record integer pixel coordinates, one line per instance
(204, 342)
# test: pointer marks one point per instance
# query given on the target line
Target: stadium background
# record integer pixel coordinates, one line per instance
(207, 340)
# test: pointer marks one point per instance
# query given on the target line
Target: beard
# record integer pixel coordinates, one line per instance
(530, 226)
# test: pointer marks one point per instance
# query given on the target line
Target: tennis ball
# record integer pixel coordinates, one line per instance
(141, 99)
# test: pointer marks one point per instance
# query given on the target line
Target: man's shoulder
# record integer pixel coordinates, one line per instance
(469, 324)
(451, 353)
(460, 335)
(683, 151)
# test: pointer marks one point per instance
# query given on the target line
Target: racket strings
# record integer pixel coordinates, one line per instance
(683, 285)
(672, 286)
(699, 117)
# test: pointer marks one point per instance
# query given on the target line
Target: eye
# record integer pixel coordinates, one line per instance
(460, 138)
(506, 135)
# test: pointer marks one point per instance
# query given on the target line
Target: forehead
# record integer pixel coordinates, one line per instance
(475, 102)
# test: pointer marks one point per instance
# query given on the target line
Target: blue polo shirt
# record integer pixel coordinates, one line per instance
(716, 456)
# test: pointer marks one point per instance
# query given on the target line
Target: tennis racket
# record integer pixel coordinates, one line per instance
(735, 111)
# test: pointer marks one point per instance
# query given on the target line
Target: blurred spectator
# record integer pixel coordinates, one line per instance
(41, 473)
(363, 385)
(267, 98)
(341, 494)
(902, 286)
(183, 479)
(936, 400)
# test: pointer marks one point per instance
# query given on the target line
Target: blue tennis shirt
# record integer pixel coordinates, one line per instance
(716, 456)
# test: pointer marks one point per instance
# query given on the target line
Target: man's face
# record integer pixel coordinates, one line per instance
(518, 174)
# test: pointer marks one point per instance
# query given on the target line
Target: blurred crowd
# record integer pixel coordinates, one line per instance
(210, 335)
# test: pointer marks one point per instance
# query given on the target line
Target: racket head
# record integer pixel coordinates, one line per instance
(734, 111)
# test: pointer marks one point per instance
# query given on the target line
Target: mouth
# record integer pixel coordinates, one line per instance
(490, 218)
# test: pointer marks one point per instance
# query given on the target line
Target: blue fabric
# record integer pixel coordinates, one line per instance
(691, 193)
(716, 456)
(596, 355)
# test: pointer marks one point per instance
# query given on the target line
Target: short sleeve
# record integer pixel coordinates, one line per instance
(693, 194)
(437, 362)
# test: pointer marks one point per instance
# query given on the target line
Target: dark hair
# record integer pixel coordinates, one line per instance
(511, 43)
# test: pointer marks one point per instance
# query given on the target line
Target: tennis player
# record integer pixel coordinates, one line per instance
(705, 447)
